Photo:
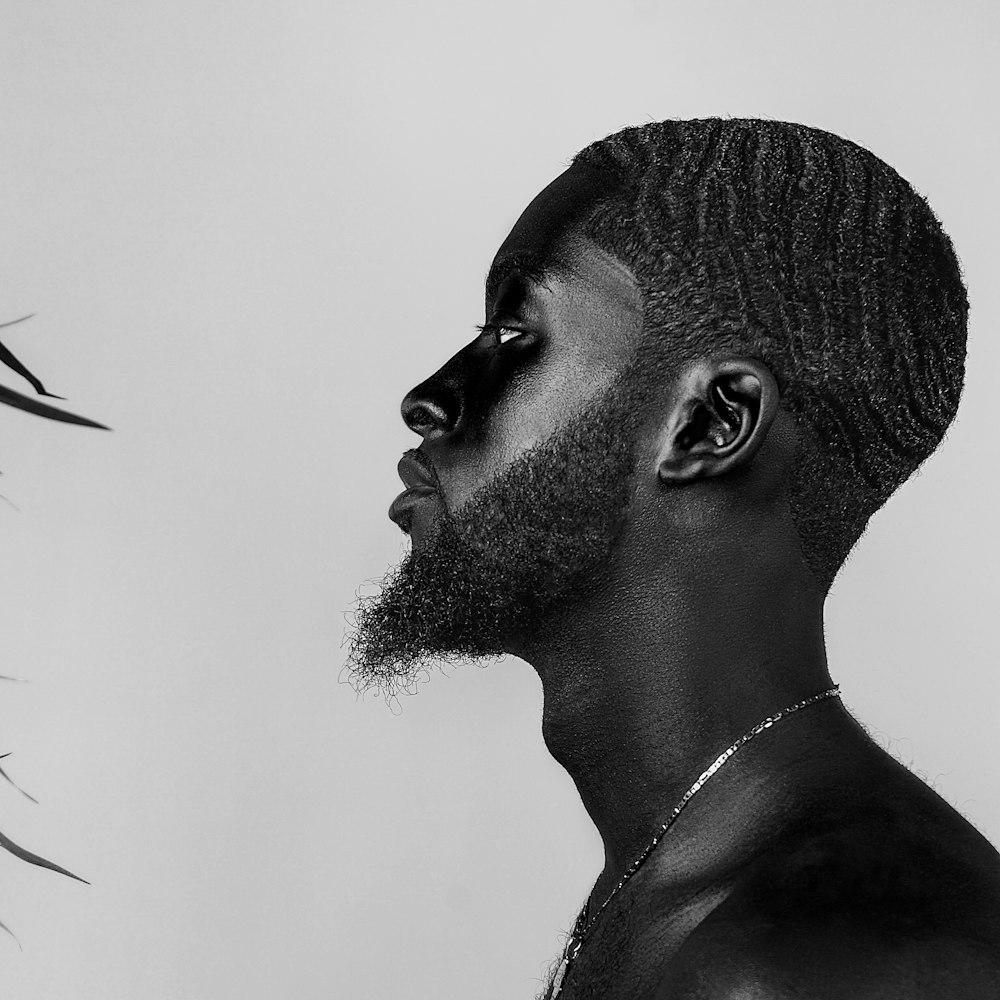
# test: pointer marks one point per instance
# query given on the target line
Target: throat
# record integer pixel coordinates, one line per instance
(644, 688)
(631, 756)
(635, 747)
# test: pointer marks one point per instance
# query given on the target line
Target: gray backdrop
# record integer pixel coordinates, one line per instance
(247, 229)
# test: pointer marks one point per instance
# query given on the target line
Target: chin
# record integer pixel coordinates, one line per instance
(423, 519)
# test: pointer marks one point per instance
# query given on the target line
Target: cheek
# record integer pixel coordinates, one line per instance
(534, 408)
(523, 415)
(541, 403)
(529, 405)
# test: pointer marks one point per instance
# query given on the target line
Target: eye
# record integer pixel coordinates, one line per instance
(505, 333)
(501, 334)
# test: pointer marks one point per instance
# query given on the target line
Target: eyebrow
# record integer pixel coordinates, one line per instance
(533, 267)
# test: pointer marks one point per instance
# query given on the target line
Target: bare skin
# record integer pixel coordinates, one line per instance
(812, 864)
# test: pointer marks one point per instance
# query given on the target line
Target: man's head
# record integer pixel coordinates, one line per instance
(760, 312)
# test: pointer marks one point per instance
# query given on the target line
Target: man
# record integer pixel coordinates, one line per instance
(712, 350)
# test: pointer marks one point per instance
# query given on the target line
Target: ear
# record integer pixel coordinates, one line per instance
(720, 415)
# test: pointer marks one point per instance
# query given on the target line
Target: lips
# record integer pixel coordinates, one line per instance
(415, 470)
(401, 509)
(418, 477)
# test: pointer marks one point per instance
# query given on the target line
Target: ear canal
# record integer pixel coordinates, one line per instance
(695, 428)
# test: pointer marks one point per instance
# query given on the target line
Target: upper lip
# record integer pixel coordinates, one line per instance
(415, 470)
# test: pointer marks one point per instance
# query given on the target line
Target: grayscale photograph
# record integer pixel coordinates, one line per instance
(498, 501)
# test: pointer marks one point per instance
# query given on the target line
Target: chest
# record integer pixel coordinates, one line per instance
(628, 952)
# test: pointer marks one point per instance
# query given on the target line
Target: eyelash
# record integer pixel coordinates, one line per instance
(498, 331)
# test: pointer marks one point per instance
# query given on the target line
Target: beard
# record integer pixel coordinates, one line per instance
(534, 539)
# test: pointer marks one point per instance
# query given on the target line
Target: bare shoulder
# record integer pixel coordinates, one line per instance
(851, 914)
(823, 960)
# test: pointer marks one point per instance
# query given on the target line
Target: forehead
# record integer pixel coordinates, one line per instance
(548, 240)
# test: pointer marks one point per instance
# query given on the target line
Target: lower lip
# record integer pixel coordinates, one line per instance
(411, 506)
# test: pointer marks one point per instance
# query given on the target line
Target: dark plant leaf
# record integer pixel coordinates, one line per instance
(4, 927)
(20, 402)
(33, 859)
(7, 357)
(4, 774)
(15, 399)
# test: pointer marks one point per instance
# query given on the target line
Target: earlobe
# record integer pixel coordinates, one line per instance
(720, 416)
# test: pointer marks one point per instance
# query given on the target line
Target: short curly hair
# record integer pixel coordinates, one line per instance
(806, 251)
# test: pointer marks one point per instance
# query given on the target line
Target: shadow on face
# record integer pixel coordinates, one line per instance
(528, 437)
(562, 319)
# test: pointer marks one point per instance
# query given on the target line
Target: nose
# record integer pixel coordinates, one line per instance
(431, 410)
(438, 406)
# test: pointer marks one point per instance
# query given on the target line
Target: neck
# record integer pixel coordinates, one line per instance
(644, 690)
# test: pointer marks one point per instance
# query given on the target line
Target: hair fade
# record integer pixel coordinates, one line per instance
(808, 252)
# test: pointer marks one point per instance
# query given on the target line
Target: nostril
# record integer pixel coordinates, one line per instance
(424, 416)
(430, 413)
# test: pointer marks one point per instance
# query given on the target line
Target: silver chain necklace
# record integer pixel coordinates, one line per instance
(583, 926)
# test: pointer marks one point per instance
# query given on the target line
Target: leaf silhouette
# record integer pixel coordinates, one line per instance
(7, 357)
(19, 852)
(4, 927)
(4, 774)
(21, 402)
(15, 399)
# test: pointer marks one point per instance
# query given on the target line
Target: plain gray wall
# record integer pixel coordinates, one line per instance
(247, 229)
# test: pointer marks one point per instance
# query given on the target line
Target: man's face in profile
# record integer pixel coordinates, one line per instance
(530, 432)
